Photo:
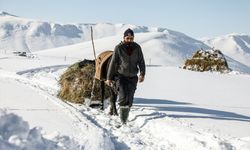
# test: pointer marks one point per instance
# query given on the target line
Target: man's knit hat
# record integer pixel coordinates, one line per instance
(128, 32)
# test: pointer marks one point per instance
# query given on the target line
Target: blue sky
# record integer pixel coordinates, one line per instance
(196, 18)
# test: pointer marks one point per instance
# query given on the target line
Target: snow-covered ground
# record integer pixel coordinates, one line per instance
(173, 109)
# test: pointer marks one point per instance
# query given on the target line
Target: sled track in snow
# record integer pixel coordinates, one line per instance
(81, 118)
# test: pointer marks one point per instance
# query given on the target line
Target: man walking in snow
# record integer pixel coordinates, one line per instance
(126, 61)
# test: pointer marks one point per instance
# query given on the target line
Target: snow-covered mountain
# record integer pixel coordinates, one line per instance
(21, 34)
(236, 46)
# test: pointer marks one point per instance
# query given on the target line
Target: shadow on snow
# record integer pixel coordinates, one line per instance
(173, 106)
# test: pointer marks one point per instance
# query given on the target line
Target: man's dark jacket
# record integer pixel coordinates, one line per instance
(126, 63)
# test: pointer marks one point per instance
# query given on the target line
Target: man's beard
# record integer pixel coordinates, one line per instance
(129, 48)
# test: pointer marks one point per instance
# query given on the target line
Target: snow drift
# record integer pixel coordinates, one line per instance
(16, 134)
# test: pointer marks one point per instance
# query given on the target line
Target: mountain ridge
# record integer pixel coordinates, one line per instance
(235, 45)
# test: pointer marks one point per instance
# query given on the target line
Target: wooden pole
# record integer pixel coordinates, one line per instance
(92, 39)
(93, 84)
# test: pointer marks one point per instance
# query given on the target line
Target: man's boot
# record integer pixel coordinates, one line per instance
(113, 111)
(124, 113)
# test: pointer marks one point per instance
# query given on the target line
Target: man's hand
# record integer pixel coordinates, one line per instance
(108, 82)
(141, 78)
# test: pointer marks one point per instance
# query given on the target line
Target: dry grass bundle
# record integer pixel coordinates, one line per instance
(77, 81)
(211, 60)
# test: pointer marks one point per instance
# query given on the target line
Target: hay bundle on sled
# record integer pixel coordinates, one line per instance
(76, 83)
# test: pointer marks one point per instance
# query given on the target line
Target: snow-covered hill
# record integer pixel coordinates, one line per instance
(236, 46)
(158, 49)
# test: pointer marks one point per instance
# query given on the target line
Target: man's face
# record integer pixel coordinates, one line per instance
(128, 39)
